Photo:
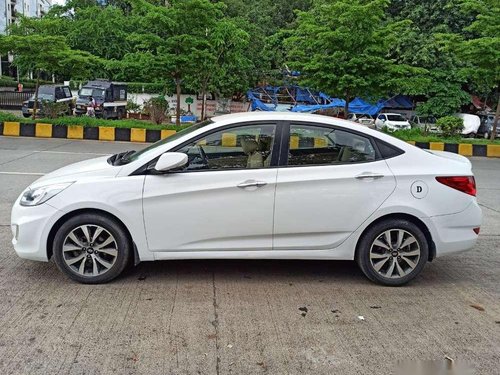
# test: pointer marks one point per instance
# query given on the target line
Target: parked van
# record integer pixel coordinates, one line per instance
(51, 93)
(110, 99)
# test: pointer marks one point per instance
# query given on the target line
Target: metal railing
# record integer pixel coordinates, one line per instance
(13, 99)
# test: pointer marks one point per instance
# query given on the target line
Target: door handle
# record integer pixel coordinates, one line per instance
(369, 175)
(251, 183)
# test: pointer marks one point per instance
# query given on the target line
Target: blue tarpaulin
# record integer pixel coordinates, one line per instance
(310, 101)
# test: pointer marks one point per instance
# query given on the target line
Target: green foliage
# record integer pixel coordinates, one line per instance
(342, 48)
(418, 135)
(450, 126)
(6, 116)
(133, 107)
(53, 109)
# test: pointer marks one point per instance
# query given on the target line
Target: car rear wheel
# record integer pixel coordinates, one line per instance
(91, 248)
(392, 252)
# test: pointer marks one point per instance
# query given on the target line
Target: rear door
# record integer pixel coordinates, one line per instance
(330, 181)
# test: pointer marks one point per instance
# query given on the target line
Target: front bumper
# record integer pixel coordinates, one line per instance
(31, 227)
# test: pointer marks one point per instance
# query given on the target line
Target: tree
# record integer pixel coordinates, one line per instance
(482, 49)
(49, 54)
(425, 44)
(175, 37)
(341, 48)
(223, 66)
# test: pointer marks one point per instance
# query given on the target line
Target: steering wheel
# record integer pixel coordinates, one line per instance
(203, 155)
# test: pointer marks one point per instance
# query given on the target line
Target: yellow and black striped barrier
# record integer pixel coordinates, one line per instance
(105, 133)
(101, 133)
(465, 149)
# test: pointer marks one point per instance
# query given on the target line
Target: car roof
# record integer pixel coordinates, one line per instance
(277, 116)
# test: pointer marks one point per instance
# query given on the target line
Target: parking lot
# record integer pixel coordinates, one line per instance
(240, 317)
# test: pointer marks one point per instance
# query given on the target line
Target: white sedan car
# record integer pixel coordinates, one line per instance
(392, 121)
(254, 186)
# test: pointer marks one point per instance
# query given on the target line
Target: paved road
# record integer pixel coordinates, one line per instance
(240, 317)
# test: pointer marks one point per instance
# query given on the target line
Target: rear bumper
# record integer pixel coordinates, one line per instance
(454, 233)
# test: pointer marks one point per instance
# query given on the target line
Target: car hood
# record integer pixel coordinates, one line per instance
(87, 168)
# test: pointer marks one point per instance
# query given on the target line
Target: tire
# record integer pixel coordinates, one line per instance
(26, 115)
(103, 257)
(372, 251)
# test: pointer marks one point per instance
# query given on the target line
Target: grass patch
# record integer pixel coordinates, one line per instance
(93, 122)
(418, 136)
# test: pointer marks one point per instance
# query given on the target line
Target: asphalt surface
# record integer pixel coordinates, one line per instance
(240, 317)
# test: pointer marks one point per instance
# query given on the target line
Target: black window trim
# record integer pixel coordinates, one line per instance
(147, 168)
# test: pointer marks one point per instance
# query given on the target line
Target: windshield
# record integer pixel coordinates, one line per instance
(395, 118)
(45, 93)
(182, 133)
(43, 96)
(88, 91)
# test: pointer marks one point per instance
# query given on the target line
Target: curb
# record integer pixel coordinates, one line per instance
(464, 149)
(105, 133)
(101, 133)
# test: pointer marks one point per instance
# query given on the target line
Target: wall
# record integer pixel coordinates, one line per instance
(213, 107)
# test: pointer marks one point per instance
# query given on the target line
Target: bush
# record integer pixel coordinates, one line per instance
(132, 87)
(450, 126)
(54, 109)
(133, 107)
(157, 109)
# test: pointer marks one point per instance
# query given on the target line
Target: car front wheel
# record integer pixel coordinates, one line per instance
(392, 252)
(91, 248)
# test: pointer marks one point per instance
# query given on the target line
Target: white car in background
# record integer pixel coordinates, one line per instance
(362, 118)
(392, 121)
(471, 124)
(254, 186)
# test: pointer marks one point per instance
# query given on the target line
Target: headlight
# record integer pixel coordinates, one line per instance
(39, 195)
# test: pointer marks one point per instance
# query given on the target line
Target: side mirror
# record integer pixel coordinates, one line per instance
(170, 161)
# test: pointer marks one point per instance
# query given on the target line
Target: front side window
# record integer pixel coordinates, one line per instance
(244, 147)
(67, 92)
(316, 145)
(381, 117)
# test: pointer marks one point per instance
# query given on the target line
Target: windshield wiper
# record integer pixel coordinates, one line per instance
(121, 158)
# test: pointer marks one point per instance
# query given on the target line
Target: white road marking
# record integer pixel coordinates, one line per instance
(24, 173)
(69, 152)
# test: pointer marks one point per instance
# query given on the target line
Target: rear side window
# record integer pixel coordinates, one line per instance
(386, 150)
(317, 145)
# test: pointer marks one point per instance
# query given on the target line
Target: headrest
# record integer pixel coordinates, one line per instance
(249, 146)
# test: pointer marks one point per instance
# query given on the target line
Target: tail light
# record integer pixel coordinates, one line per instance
(465, 184)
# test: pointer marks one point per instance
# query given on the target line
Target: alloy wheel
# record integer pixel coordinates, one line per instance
(395, 253)
(90, 250)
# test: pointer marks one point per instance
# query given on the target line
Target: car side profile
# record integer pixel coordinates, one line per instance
(254, 186)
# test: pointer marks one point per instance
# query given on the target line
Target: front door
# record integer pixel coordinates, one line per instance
(332, 183)
(223, 200)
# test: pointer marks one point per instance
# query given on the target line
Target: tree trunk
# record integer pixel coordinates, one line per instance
(346, 106)
(495, 122)
(203, 102)
(37, 85)
(178, 107)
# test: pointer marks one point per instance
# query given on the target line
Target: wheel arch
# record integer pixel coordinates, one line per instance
(64, 218)
(415, 220)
